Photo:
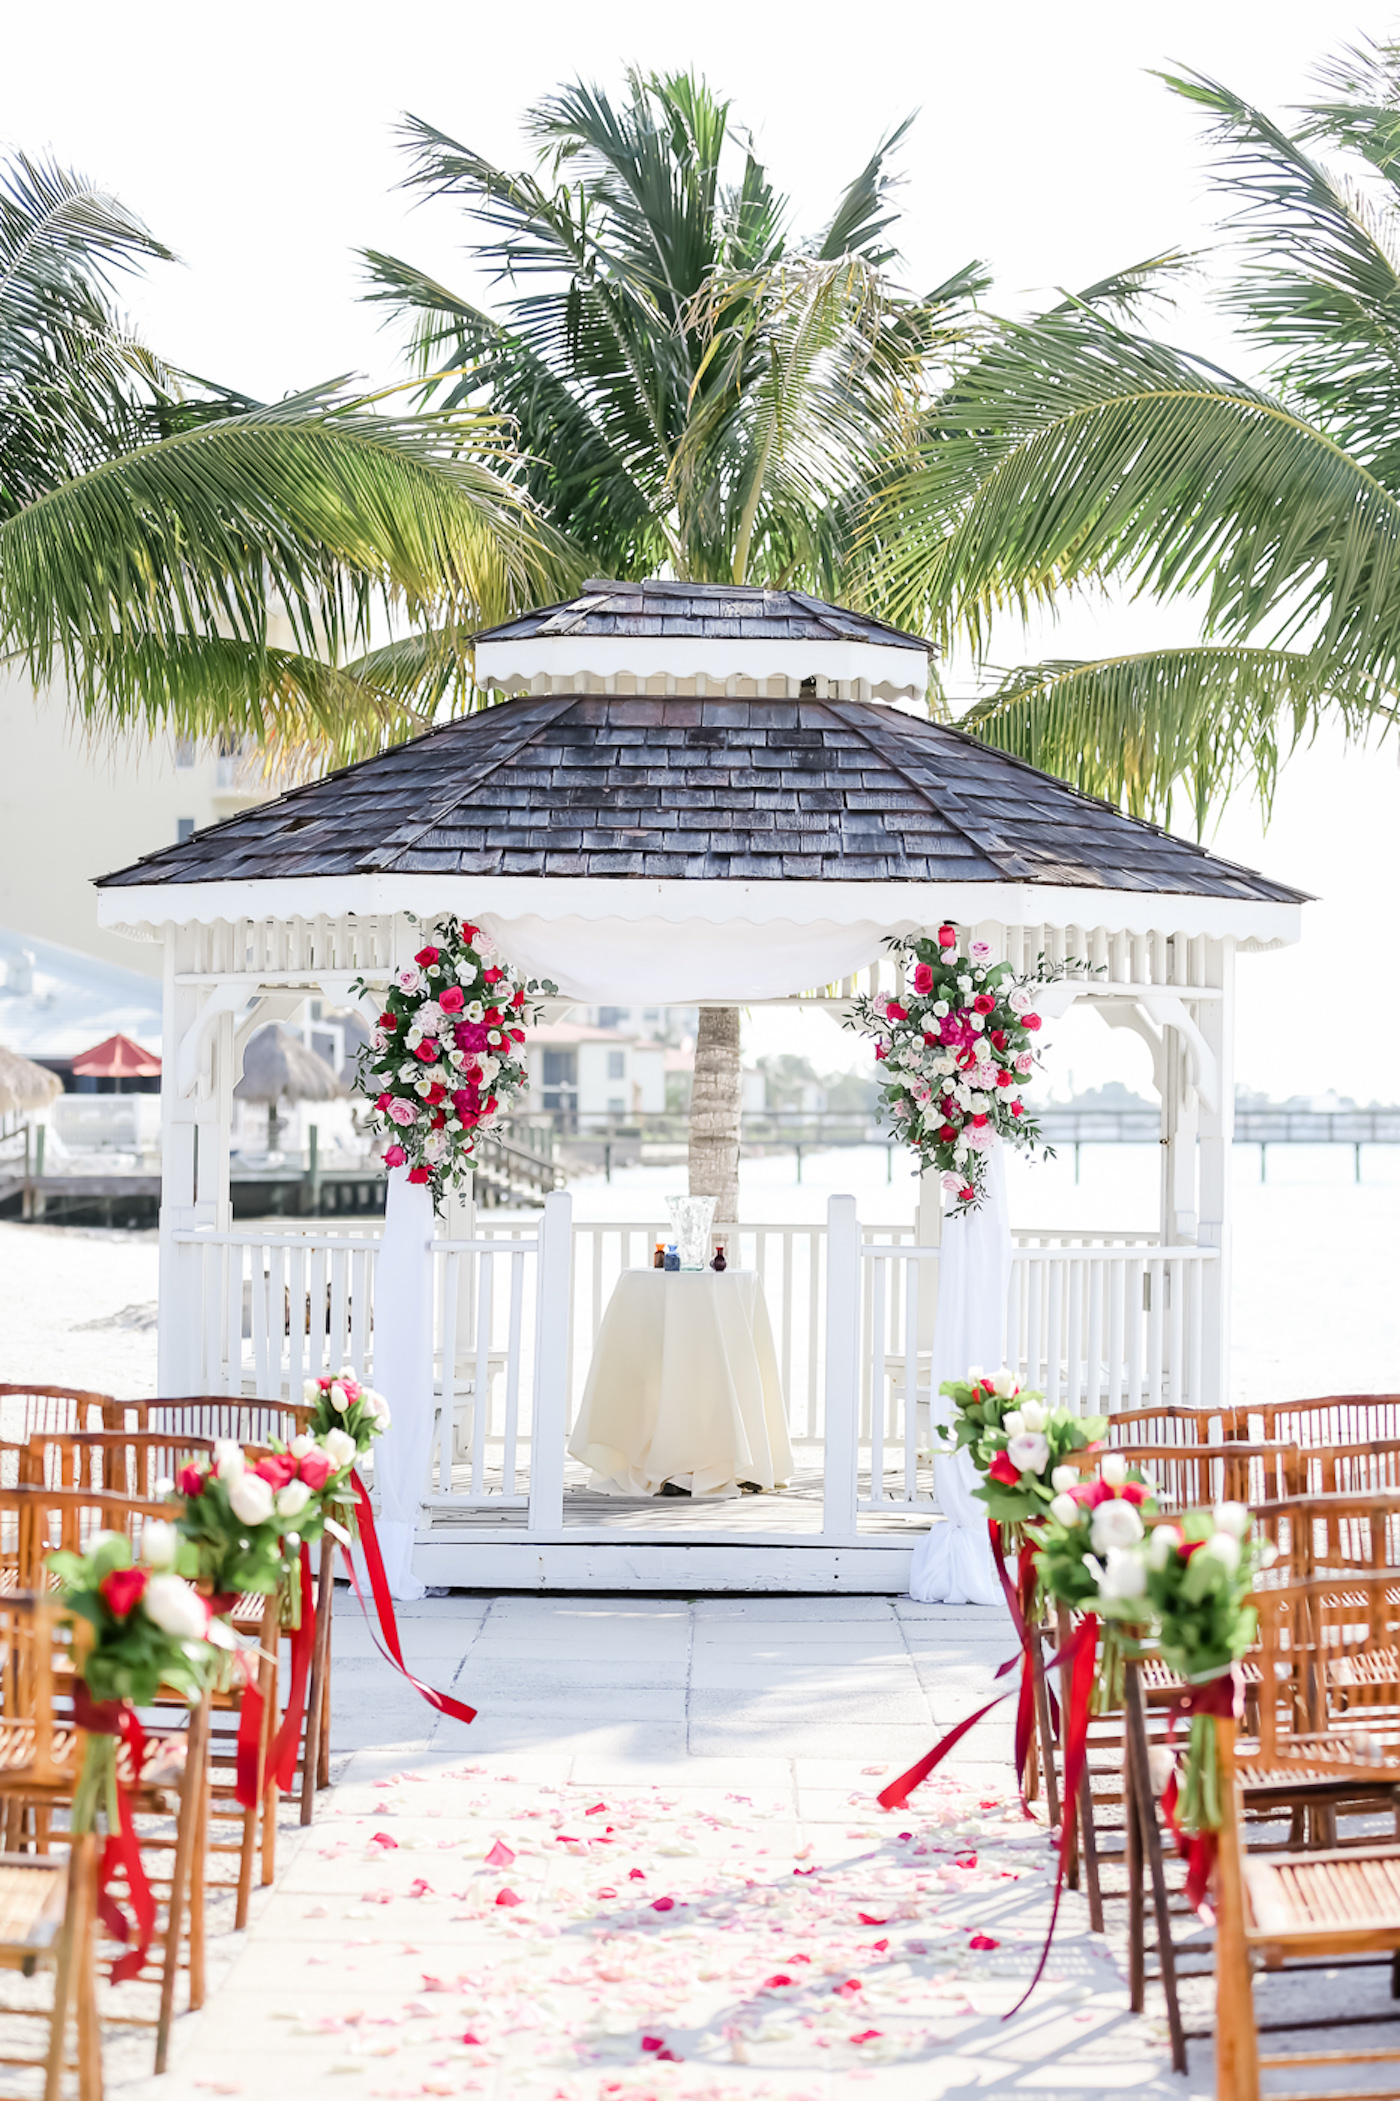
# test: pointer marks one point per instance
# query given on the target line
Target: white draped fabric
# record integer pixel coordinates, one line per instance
(674, 961)
(953, 1561)
(403, 1372)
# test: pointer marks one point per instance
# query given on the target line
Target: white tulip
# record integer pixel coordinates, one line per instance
(1065, 1478)
(229, 1461)
(1113, 1468)
(1029, 1453)
(339, 1398)
(1224, 1548)
(175, 1608)
(1161, 1766)
(380, 1407)
(311, 1392)
(974, 1375)
(1115, 1524)
(1033, 1415)
(159, 1544)
(300, 1446)
(1232, 1518)
(1064, 1509)
(250, 1499)
(1013, 1422)
(1124, 1576)
(340, 1448)
(293, 1499)
(1165, 1541)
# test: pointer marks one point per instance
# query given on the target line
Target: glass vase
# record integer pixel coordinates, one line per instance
(691, 1220)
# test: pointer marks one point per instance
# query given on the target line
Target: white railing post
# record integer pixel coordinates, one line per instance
(843, 1259)
(550, 1417)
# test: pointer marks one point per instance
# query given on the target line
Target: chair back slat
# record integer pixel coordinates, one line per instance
(1340, 1419)
(210, 1415)
(1186, 1477)
(140, 1463)
(1332, 1534)
(1167, 1425)
(25, 1410)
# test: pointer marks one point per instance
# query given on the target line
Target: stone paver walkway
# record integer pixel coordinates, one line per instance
(654, 1870)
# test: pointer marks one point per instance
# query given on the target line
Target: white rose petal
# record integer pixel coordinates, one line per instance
(1064, 1478)
(293, 1499)
(1114, 1469)
(159, 1544)
(1115, 1524)
(1224, 1548)
(175, 1608)
(1005, 1384)
(1232, 1517)
(1013, 1422)
(1029, 1453)
(1064, 1509)
(1164, 1542)
(1035, 1415)
(250, 1499)
(1124, 1576)
(229, 1461)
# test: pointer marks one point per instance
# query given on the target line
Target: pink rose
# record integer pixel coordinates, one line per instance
(983, 1004)
(1030, 1021)
(452, 1000)
(923, 977)
(402, 1113)
(394, 1156)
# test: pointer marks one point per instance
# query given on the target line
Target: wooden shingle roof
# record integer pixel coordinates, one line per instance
(715, 612)
(594, 785)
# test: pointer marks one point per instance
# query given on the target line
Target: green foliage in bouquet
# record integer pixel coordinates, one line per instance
(1090, 1552)
(230, 1517)
(150, 1629)
(1199, 1575)
(343, 1408)
(1018, 1445)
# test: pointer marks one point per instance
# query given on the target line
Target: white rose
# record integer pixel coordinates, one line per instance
(1034, 1415)
(159, 1543)
(250, 1499)
(1114, 1524)
(1165, 1541)
(1019, 1001)
(1224, 1548)
(1030, 1453)
(940, 1008)
(1124, 1576)
(175, 1608)
(1064, 1478)
(229, 1461)
(379, 1407)
(340, 1400)
(1114, 1469)
(1013, 1422)
(1161, 1766)
(1232, 1517)
(293, 1499)
(457, 1059)
(1064, 1509)
(467, 972)
(977, 1022)
(340, 1448)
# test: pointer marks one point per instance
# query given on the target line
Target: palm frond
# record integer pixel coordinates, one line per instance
(1135, 729)
(865, 212)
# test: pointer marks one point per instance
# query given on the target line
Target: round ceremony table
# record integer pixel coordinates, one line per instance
(684, 1387)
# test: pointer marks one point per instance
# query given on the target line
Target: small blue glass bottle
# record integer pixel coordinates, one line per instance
(673, 1260)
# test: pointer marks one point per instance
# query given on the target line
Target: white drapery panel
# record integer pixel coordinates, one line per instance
(403, 1372)
(667, 962)
(953, 1561)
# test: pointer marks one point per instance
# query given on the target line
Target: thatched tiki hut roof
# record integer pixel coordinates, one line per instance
(277, 1066)
(25, 1086)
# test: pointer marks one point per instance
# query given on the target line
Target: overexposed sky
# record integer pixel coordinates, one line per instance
(258, 141)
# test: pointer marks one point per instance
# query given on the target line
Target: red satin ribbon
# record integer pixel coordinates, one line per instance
(1081, 1654)
(390, 1648)
(250, 1725)
(1021, 1605)
(283, 1763)
(1222, 1696)
(122, 1851)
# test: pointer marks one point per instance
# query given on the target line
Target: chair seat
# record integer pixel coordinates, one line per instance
(1295, 1897)
(32, 1892)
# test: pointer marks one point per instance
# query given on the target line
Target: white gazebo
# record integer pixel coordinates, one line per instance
(693, 794)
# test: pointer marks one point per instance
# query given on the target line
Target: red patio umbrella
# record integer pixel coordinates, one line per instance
(117, 1059)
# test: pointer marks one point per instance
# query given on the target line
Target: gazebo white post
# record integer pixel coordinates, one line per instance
(1180, 1121)
(1216, 1140)
(196, 1096)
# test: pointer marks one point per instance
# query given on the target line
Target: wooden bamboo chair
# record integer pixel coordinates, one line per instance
(1169, 1424)
(48, 1908)
(1343, 1419)
(1349, 1469)
(245, 1420)
(25, 1409)
(1331, 1534)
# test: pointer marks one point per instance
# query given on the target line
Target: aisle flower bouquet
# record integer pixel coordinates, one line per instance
(957, 1048)
(444, 1061)
(1018, 1445)
(1091, 1559)
(240, 1519)
(342, 1408)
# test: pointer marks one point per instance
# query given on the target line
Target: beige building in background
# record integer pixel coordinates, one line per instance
(73, 807)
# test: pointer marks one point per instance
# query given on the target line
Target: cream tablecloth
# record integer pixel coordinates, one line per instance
(684, 1387)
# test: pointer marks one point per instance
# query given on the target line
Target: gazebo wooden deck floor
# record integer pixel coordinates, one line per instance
(787, 1514)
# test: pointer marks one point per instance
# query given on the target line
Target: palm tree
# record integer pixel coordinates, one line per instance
(1078, 450)
(692, 388)
(150, 528)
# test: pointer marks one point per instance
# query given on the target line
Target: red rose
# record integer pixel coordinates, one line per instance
(490, 1108)
(388, 1021)
(469, 934)
(315, 1470)
(277, 1469)
(516, 1035)
(983, 1004)
(190, 1480)
(427, 1051)
(383, 1101)
(123, 1589)
(1132, 1492)
(1002, 1470)
(966, 1193)
(1030, 1021)
(895, 1012)
(425, 956)
(1004, 1079)
(1017, 1110)
(923, 977)
(452, 999)
(493, 976)
(947, 1133)
(436, 1093)
(519, 999)
(420, 1174)
(979, 1120)
(493, 1017)
(947, 937)
(394, 1156)
(438, 1120)
(997, 1039)
(879, 1051)
(468, 1118)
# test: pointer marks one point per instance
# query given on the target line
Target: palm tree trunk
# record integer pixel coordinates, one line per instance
(716, 1102)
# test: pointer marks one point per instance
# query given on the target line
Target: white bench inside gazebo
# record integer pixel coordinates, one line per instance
(564, 821)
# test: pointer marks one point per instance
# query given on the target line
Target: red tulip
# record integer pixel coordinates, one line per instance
(277, 1469)
(947, 937)
(190, 1480)
(1002, 1470)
